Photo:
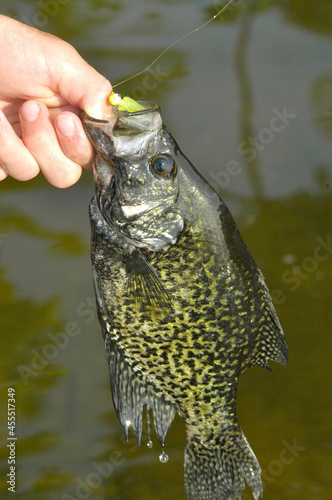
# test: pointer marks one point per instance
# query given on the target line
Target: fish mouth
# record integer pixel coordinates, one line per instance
(115, 133)
(122, 122)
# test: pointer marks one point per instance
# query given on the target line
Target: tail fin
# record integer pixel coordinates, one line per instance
(218, 473)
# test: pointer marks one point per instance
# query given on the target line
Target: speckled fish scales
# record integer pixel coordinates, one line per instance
(184, 310)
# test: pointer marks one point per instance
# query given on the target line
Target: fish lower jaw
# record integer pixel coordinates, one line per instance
(132, 210)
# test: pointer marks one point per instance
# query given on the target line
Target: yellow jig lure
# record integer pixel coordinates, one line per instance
(124, 104)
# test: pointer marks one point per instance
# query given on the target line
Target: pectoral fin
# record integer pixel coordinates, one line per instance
(145, 286)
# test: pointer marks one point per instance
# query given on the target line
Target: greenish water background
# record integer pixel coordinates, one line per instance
(216, 89)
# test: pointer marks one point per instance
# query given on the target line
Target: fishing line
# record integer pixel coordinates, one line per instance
(175, 42)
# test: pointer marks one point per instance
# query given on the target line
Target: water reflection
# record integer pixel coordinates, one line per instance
(246, 99)
(29, 363)
(313, 16)
(71, 444)
(322, 104)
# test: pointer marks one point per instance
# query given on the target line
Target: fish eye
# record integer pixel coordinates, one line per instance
(163, 165)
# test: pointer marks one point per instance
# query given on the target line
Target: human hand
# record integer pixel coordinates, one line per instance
(44, 83)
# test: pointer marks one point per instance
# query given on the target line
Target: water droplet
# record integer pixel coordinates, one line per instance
(149, 444)
(163, 457)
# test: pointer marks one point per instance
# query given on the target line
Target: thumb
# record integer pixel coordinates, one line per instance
(78, 83)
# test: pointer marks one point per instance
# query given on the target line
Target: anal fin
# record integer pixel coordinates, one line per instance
(131, 391)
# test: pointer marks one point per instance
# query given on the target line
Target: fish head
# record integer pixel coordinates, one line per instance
(136, 176)
(145, 187)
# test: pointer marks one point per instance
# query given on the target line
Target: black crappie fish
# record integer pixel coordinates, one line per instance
(184, 310)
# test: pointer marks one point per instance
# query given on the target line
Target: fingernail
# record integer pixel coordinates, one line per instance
(65, 125)
(96, 113)
(30, 111)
